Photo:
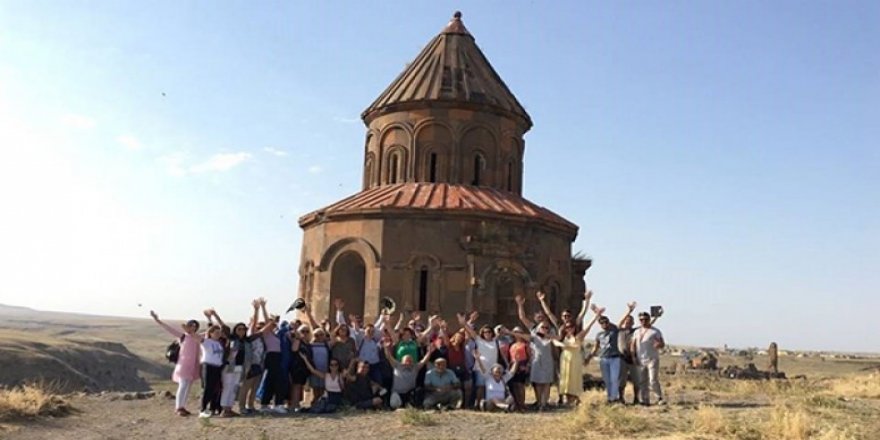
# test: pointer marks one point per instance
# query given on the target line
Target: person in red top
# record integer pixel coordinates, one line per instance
(519, 356)
(457, 362)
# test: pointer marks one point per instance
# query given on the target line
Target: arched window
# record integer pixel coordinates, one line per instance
(432, 167)
(423, 288)
(368, 172)
(479, 166)
(393, 167)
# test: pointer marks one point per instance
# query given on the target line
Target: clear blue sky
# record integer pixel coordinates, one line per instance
(721, 158)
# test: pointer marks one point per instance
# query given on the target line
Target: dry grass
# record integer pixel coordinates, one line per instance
(789, 423)
(710, 420)
(864, 386)
(706, 407)
(31, 401)
(594, 415)
(415, 417)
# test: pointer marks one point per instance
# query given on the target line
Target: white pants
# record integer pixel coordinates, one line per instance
(230, 389)
(182, 392)
(649, 379)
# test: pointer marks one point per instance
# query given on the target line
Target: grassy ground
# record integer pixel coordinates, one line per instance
(839, 399)
(701, 407)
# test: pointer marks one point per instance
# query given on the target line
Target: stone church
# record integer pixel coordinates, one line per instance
(440, 224)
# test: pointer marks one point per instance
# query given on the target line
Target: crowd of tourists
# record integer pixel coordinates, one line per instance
(400, 361)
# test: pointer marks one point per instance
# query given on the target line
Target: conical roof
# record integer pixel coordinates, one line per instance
(451, 70)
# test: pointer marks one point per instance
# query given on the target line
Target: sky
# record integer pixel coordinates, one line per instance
(721, 158)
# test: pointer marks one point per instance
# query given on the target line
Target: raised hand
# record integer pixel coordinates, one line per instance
(588, 294)
(631, 306)
(540, 295)
(520, 300)
(599, 310)
(415, 316)
(262, 301)
(338, 303)
(594, 308)
(352, 318)
(256, 304)
(208, 313)
(461, 318)
(474, 316)
(154, 315)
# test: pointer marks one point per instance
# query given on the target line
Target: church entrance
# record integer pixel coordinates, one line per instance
(507, 287)
(348, 282)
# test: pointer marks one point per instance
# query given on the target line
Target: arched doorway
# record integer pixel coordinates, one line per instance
(348, 282)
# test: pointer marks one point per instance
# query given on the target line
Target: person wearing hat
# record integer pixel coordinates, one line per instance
(187, 369)
(442, 387)
(520, 355)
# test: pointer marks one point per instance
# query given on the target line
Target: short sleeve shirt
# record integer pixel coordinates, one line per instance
(404, 379)
(607, 340)
(644, 338)
(436, 380)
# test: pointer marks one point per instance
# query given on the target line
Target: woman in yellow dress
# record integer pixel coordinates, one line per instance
(571, 360)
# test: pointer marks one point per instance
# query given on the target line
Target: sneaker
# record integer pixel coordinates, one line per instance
(661, 402)
(279, 410)
(182, 412)
(205, 415)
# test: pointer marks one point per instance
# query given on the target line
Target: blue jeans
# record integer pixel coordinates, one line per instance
(611, 375)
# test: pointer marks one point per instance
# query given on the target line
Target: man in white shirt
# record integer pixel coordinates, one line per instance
(646, 344)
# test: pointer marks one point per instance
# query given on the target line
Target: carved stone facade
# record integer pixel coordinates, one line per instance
(440, 225)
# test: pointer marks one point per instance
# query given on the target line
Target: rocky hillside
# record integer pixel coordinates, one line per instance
(73, 364)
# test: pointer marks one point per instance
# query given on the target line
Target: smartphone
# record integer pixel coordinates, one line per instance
(656, 311)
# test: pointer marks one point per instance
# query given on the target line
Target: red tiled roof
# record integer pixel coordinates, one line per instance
(443, 197)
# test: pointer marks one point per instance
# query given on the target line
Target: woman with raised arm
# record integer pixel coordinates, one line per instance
(274, 382)
(237, 356)
(488, 350)
(334, 381)
(496, 380)
(520, 354)
(186, 371)
(253, 369)
(571, 362)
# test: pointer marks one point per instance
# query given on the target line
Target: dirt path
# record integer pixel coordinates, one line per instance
(98, 418)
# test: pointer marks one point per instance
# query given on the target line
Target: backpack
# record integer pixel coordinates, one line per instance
(172, 353)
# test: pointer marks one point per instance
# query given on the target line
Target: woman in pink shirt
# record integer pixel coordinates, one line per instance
(187, 369)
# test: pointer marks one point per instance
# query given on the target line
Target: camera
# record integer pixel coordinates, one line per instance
(656, 311)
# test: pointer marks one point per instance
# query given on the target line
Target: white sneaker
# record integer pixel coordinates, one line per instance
(205, 415)
(279, 410)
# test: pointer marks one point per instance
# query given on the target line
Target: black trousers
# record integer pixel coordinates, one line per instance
(274, 385)
(211, 383)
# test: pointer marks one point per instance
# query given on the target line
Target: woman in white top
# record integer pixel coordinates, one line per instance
(496, 380)
(333, 382)
(212, 369)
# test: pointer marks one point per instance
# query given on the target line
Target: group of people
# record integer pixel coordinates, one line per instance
(386, 364)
